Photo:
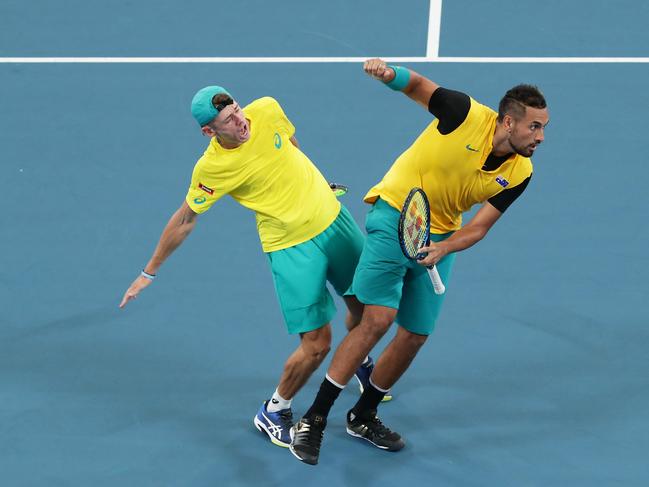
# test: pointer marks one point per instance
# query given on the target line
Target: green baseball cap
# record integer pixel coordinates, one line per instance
(202, 108)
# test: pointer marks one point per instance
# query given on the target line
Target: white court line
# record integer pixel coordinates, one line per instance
(225, 60)
(539, 60)
(434, 28)
(432, 55)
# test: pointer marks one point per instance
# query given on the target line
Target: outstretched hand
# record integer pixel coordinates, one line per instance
(131, 293)
(378, 69)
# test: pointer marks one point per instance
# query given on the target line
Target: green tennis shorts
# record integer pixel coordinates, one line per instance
(385, 277)
(301, 272)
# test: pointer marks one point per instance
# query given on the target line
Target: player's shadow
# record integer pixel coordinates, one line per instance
(106, 379)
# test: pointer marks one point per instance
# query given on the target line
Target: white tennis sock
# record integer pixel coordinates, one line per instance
(277, 403)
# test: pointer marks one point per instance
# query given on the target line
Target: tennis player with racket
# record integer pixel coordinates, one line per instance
(308, 236)
(468, 155)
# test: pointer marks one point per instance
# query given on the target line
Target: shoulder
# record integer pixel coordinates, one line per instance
(208, 160)
(479, 110)
(263, 104)
(201, 165)
(525, 165)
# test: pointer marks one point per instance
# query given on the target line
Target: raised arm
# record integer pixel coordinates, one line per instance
(411, 83)
(180, 225)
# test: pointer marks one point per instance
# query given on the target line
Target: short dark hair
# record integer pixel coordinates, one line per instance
(220, 98)
(519, 97)
(219, 101)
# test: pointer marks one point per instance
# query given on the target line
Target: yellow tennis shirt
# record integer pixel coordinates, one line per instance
(291, 199)
(449, 169)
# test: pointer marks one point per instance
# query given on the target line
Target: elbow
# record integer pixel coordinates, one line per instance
(474, 235)
(481, 232)
(187, 228)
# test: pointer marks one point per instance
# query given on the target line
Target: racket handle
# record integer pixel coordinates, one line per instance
(438, 285)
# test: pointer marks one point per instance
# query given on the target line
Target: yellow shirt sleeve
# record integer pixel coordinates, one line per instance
(206, 187)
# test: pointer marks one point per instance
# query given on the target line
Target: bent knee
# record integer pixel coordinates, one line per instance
(413, 340)
(316, 351)
(377, 323)
(317, 343)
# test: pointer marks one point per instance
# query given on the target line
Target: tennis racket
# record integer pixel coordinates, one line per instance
(414, 232)
(338, 189)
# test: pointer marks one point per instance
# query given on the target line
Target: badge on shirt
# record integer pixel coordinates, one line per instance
(205, 188)
(500, 180)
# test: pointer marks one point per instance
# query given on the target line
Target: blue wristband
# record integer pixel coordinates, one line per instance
(401, 78)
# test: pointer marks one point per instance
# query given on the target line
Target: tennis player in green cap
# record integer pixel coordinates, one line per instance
(309, 237)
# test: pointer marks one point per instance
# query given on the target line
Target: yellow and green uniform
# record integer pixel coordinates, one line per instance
(452, 161)
(269, 175)
(449, 168)
(308, 238)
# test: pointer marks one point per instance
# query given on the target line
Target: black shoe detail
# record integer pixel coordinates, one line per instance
(307, 438)
(369, 427)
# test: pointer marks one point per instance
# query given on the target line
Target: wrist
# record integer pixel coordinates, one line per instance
(446, 247)
(147, 275)
(401, 78)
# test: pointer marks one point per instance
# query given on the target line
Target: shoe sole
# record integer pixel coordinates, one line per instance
(303, 460)
(290, 447)
(386, 398)
(262, 428)
(386, 448)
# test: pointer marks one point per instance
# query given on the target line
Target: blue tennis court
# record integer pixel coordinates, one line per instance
(537, 372)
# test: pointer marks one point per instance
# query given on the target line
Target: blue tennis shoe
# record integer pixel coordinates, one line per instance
(276, 425)
(362, 375)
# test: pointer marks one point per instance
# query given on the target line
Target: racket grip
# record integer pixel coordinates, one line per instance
(435, 278)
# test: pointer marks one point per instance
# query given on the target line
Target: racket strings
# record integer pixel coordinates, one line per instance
(415, 226)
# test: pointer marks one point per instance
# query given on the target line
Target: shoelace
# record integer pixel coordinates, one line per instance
(377, 427)
(313, 435)
(286, 417)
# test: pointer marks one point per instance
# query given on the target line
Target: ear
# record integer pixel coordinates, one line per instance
(208, 131)
(508, 122)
